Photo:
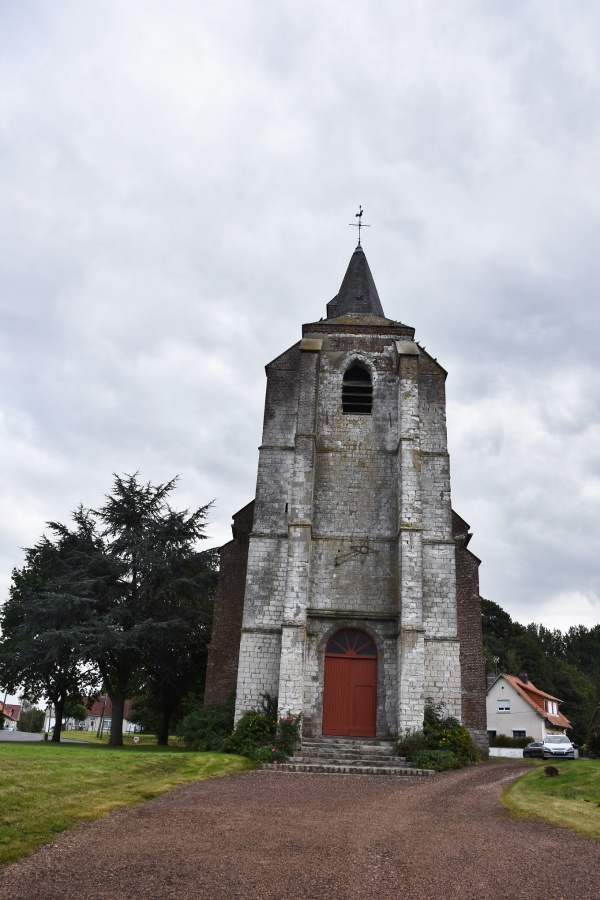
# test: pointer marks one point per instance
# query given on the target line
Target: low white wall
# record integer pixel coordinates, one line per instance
(512, 752)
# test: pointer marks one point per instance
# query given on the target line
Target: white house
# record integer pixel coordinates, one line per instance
(11, 711)
(516, 708)
(99, 717)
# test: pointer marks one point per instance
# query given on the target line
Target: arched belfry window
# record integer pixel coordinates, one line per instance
(357, 391)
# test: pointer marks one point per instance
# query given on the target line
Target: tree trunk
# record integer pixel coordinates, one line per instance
(162, 738)
(116, 723)
(116, 683)
(59, 709)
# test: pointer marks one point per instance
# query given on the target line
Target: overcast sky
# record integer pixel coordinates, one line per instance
(177, 180)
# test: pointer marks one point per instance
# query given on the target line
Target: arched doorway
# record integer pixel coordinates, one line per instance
(350, 690)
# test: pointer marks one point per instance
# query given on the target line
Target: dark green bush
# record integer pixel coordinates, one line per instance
(442, 736)
(439, 760)
(446, 733)
(206, 728)
(252, 730)
(412, 743)
(592, 745)
(503, 740)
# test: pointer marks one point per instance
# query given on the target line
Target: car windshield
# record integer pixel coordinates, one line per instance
(557, 739)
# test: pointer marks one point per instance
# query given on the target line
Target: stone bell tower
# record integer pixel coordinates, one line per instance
(356, 597)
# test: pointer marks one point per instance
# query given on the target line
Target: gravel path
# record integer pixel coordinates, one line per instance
(268, 835)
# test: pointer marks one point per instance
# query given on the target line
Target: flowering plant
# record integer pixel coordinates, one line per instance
(268, 754)
(287, 732)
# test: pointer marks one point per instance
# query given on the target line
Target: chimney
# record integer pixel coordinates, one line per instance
(523, 678)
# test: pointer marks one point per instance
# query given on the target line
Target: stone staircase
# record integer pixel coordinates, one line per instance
(348, 756)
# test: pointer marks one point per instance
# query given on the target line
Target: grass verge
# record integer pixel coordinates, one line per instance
(572, 799)
(46, 789)
(90, 737)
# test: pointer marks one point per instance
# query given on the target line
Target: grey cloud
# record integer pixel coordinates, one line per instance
(178, 182)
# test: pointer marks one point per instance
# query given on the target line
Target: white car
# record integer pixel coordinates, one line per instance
(558, 746)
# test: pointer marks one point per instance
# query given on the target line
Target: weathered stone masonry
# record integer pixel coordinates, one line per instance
(353, 528)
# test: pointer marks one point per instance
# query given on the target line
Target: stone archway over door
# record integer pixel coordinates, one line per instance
(350, 690)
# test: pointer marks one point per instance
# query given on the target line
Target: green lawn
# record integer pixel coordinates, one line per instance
(89, 737)
(48, 788)
(572, 799)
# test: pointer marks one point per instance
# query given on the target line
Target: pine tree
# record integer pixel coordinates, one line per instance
(43, 620)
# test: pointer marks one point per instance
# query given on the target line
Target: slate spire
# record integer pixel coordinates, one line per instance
(358, 293)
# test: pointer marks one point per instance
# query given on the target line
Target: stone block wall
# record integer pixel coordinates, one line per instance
(265, 581)
(281, 400)
(442, 674)
(472, 661)
(439, 592)
(354, 574)
(224, 648)
(258, 671)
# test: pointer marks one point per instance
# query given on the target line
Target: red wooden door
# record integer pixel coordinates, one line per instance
(350, 692)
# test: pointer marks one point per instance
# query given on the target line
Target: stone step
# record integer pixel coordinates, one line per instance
(350, 752)
(339, 759)
(327, 769)
(341, 739)
(380, 748)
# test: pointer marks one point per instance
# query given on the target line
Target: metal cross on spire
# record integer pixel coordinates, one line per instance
(359, 225)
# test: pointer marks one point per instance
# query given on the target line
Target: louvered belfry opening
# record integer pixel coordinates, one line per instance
(357, 391)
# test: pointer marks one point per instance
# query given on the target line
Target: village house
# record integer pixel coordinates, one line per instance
(518, 709)
(11, 712)
(99, 714)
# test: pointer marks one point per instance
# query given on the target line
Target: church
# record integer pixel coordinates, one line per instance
(348, 590)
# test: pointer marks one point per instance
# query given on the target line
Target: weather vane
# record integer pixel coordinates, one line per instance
(360, 222)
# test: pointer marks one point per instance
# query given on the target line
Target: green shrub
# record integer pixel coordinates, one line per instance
(412, 743)
(503, 740)
(444, 737)
(446, 733)
(439, 760)
(206, 728)
(592, 745)
(269, 754)
(252, 730)
(269, 705)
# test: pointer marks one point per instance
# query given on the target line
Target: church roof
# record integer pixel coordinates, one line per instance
(358, 293)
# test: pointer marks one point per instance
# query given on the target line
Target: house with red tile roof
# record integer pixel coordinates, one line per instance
(99, 713)
(11, 711)
(517, 708)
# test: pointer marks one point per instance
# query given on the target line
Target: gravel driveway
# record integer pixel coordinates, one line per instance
(268, 835)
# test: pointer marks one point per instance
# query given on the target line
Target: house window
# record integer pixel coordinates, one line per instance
(503, 705)
(551, 707)
(491, 734)
(519, 734)
(357, 391)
